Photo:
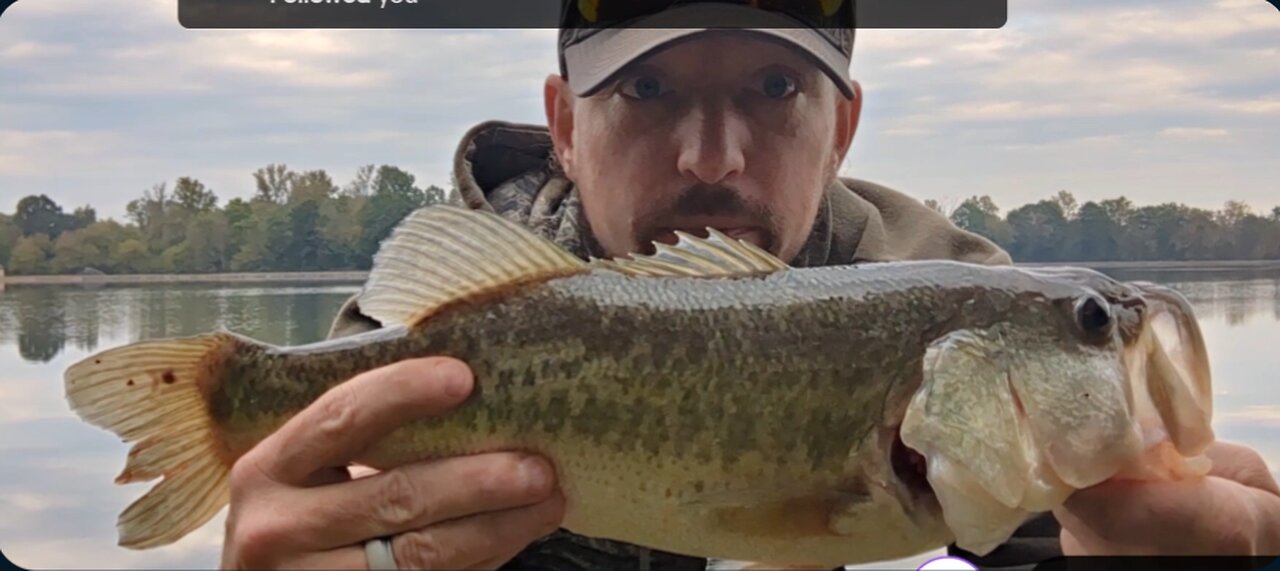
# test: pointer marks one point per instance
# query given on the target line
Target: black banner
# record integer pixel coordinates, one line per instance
(507, 14)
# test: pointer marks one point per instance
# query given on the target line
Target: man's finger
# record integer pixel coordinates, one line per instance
(1181, 517)
(1241, 464)
(471, 541)
(419, 495)
(350, 417)
(466, 543)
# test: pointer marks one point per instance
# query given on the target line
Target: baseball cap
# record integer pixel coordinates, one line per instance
(598, 38)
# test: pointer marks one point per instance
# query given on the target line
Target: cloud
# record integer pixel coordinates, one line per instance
(40, 152)
(1194, 133)
(1257, 415)
(1096, 97)
(1260, 106)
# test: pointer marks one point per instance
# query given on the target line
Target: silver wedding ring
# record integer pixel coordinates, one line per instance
(381, 558)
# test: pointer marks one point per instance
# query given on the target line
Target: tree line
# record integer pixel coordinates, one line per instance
(1058, 229)
(295, 221)
(302, 221)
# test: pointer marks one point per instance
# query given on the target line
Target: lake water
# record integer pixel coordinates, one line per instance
(58, 505)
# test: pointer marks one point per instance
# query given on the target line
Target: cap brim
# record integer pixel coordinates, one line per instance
(597, 58)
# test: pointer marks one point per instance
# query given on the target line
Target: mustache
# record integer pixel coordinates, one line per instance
(704, 200)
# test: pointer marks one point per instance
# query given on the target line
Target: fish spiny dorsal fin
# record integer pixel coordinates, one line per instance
(717, 256)
(441, 254)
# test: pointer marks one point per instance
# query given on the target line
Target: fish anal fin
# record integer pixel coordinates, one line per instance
(775, 513)
(790, 518)
(717, 256)
(443, 254)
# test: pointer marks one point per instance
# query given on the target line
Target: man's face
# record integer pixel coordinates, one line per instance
(727, 131)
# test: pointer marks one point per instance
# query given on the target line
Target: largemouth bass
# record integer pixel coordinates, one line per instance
(707, 399)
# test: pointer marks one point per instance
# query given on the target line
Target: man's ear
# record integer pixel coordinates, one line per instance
(558, 100)
(848, 112)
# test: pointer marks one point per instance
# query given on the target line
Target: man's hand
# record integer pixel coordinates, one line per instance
(294, 503)
(1235, 510)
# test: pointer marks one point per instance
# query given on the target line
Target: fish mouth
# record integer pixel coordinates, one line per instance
(910, 469)
(1173, 360)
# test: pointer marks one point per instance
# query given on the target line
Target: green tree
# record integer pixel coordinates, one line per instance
(191, 196)
(434, 195)
(306, 245)
(312, 185)
(207, 244)
(1197, 235)
(1151, 230)
(362, 184)
(266, 240)
(1097, 234)
(174, 260)
(82, 217)
(160, 218)
(1066, 202)
(9, 236)
(341, 230)
(394, 197)
(131, 257)
(1233, 212)
(40, 215)
(273, 183)
(239, 222)
(1038, 232)
(71, 254)
(31, 255)
(980, 215)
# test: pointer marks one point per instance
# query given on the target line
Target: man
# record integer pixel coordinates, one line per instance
(650, 131)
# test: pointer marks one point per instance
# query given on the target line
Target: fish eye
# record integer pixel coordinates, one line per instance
(1093, 315)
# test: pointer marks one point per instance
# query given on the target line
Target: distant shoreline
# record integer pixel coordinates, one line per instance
(1175, 265)
(352, 277)
(358, 277)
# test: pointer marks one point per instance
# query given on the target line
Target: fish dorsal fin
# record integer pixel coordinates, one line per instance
(716, 256)
(441, 254)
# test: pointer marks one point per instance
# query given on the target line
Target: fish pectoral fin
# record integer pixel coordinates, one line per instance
(441, 254)
(717, 256)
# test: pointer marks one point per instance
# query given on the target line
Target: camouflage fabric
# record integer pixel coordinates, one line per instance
(510, 169)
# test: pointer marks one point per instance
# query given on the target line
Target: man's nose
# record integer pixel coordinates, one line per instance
(712, 144)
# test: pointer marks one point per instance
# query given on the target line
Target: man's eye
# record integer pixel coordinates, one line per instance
(777, 86)
(643, 87)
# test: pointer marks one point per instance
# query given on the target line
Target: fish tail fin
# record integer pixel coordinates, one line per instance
(154, 393)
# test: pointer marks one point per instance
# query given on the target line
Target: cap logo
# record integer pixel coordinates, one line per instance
(590, 10)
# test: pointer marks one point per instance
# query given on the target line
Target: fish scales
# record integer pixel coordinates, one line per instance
(632, 350)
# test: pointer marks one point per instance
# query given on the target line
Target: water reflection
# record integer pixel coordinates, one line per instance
(41, 321)
(1236, 295)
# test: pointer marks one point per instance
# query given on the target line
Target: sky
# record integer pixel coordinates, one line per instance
(1157, 100)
